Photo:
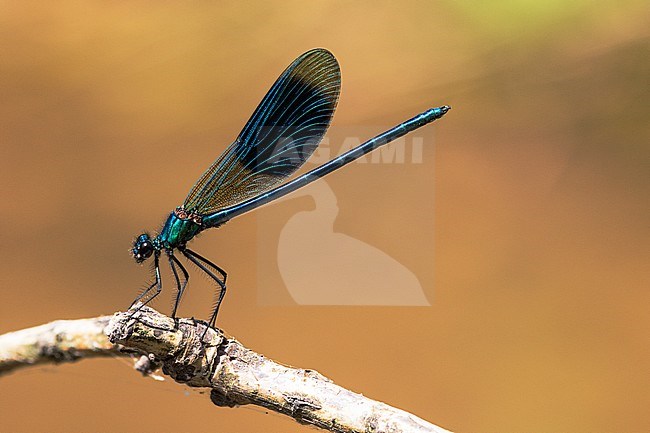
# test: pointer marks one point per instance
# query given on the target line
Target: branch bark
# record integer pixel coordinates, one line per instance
(236, 375)
(56, 342)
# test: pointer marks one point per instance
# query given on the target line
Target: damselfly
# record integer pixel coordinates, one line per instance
(281, 135)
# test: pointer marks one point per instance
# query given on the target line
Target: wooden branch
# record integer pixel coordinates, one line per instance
(56, 342)
(236, 375)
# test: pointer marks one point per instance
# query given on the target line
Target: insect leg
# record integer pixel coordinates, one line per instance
(157, 286)
(180, 287)
(205, 267)
(208, 263)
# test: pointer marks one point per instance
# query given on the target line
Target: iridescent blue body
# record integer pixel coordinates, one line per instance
(281, 135)
(178, 230)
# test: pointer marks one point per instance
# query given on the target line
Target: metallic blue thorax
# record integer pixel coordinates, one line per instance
(179, 229)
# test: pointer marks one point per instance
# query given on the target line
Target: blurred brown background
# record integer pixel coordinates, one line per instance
(539, 229)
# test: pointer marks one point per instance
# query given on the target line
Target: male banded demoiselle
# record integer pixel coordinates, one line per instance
(280, 136)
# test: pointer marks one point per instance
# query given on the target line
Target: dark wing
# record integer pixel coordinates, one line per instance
(283, 132)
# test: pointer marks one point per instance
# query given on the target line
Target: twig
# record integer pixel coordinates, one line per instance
(56, 342)
(236, 375)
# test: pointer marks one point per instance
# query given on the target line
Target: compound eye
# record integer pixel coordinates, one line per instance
(142, 248)
(146, 249)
